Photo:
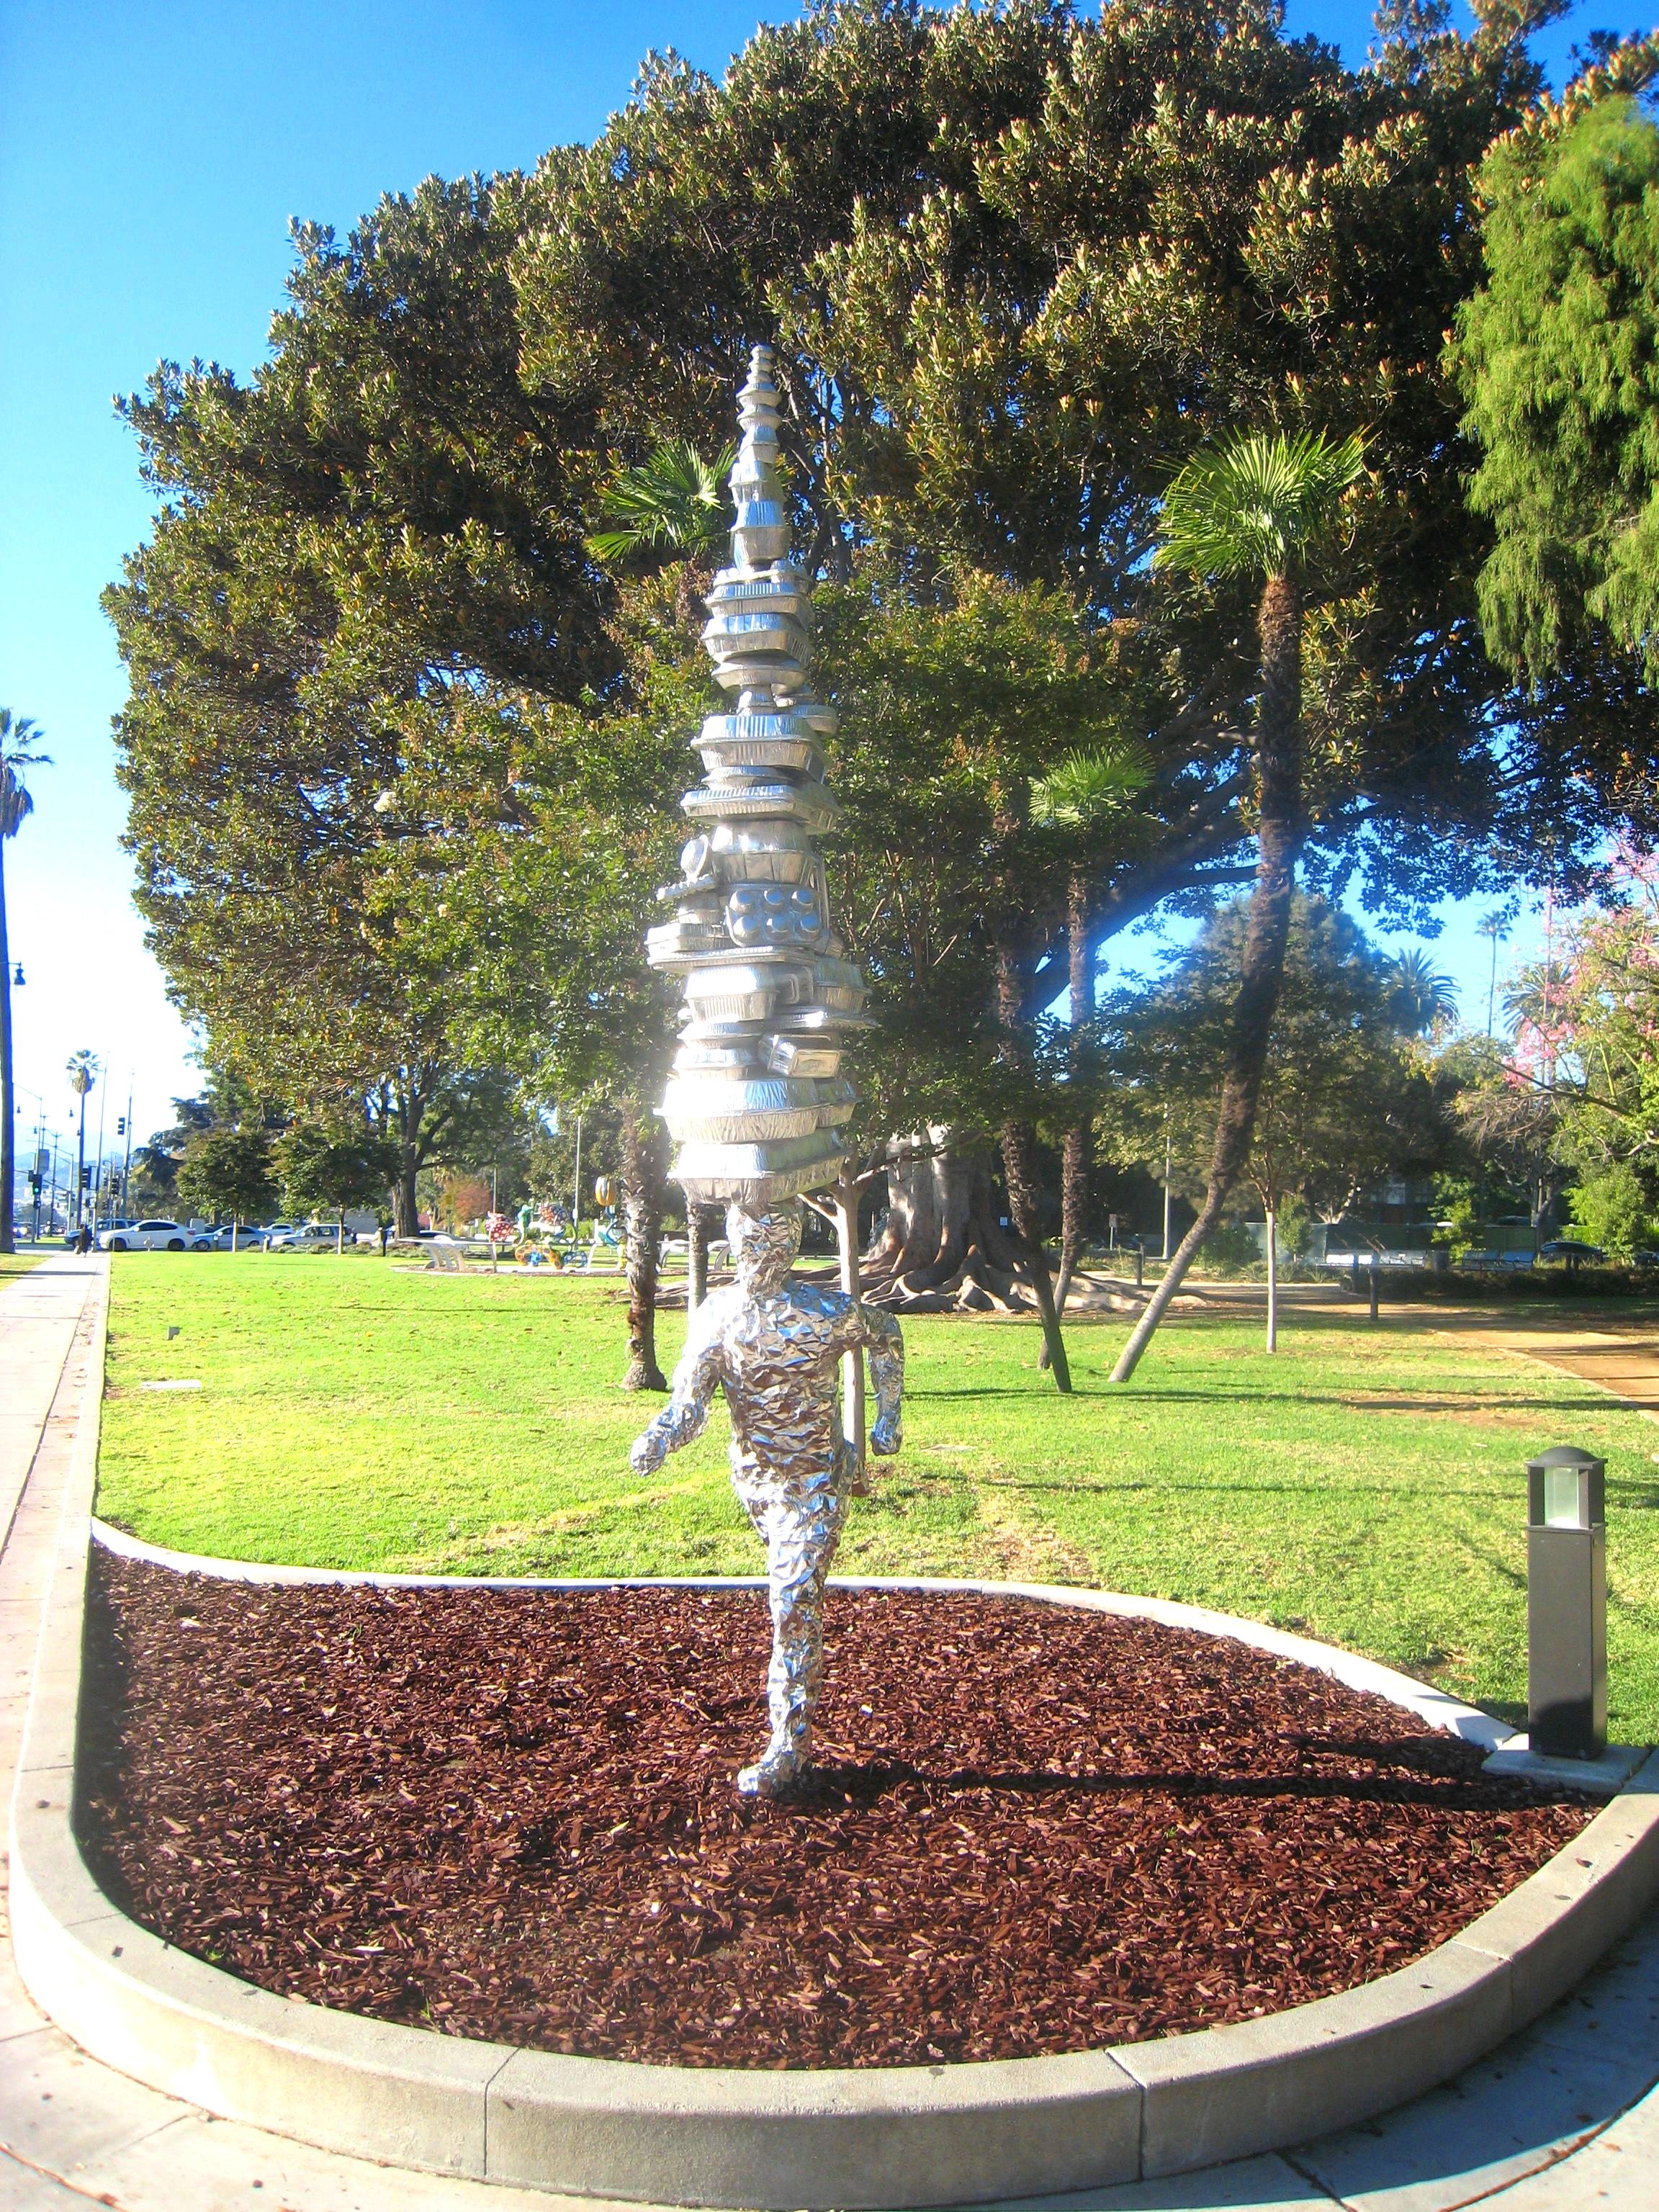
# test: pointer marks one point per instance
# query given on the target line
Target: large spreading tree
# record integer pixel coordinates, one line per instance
(395, 729)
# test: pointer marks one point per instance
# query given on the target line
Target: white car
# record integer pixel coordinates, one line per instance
(148, 1237)
(311, 1237)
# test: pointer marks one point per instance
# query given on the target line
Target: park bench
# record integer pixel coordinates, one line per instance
(446, 1260)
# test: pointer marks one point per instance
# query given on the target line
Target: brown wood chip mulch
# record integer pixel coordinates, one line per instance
(510, 1815)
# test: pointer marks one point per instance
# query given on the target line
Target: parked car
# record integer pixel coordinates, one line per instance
(147, 1237)
(1569, 1249)
(310, 1236)
(107, 1228)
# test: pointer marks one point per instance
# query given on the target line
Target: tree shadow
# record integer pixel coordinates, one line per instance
(1127, 1394)
(1442, 1772)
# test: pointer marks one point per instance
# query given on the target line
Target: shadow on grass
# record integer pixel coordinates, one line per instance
(1126, 1394)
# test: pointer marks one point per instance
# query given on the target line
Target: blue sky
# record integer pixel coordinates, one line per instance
(153, 153)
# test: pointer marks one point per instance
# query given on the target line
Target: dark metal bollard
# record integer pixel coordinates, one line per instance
(1140, 1262)
(1567, 1604)
(1372, 1264)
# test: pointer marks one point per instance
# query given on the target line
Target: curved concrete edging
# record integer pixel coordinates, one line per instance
(889, 2136)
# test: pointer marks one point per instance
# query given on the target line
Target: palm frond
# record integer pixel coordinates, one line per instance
(19, 748)
(1249, 505)
(674, 501)
(1087, 784)
(1420, 995)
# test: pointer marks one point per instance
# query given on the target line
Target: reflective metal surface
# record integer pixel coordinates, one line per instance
(750, 931)
(756, 1098)
(774, 1345)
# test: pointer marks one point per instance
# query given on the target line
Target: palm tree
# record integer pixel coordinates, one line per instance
(1419, 994)
(1253, 506)
(1494, 926)
(1080, 794)
(20, 748)
(674, 503)
(82, 1072)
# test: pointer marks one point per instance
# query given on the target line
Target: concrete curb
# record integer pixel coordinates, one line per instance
(845, 2138)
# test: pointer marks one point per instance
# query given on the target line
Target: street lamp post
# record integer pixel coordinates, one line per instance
(126, 1164)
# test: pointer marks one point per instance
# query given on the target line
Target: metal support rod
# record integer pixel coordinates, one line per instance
(852, 1365)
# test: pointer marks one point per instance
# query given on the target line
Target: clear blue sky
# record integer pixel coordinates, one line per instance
(151, 157)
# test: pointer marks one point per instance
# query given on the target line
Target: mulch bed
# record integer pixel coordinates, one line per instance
(510, 1815)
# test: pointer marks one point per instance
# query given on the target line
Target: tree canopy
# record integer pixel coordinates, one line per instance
(402, 750)
(1557, 351)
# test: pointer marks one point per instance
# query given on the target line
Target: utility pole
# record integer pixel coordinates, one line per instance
(126, 1164)
(98, 1179)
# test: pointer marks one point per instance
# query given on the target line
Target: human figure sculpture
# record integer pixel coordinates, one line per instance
(772, 1344)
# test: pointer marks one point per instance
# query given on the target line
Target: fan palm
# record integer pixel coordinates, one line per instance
(82, 1073)
(20, 748)
(674, 502)
(1419, 994)
(1080, 793)
(1254, 505)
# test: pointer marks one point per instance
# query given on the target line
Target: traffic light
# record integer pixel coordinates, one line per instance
(86, 1178)
(121, 1125)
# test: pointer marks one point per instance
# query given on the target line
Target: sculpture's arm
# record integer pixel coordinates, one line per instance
(685, 1416)
(878, 1332)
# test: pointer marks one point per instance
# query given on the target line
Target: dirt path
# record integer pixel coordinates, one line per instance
(1622, 1360)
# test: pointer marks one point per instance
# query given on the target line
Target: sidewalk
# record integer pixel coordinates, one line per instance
(1565, 2117)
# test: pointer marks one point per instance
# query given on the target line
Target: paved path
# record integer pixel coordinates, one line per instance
(1565, 2119)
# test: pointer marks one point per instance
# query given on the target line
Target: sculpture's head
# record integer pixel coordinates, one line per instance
(763, 1246)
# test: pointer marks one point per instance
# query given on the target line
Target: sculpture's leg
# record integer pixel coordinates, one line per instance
(801, 1529)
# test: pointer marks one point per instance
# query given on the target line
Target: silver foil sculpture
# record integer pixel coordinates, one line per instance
(756, 1098)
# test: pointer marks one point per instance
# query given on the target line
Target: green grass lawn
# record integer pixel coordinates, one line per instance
(1365, 1485)
(18, 1263)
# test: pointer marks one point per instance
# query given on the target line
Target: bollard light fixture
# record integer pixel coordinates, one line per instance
(1567, 1604)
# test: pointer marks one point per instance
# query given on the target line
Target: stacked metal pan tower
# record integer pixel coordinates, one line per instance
(756, 1099)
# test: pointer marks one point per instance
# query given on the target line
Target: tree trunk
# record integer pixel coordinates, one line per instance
(929, 1189)
(941, 1247)
(7, 1116)
(1272, 1280)
(696, 1256)
(406, 1213)
(1019, 1146)
(1279, 768)
(641, 1196)
(1074, 1169)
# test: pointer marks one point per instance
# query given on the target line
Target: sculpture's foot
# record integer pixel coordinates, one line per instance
(777, 1775)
